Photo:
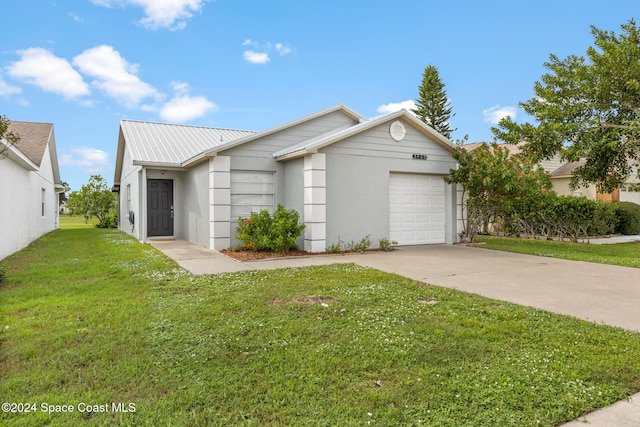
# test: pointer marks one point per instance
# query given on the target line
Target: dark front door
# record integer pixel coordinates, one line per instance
(160, 207)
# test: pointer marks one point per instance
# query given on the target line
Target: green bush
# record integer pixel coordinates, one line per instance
(263, 232)
(109, 221)
(604, 219)
(385, 245)
(628, 216)
(361, 246)
(3, 275)
(552, 216)
(336, 248)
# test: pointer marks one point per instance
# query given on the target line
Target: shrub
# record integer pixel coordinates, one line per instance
(263, 232)
(336, 248)
(628, 216)
(3, 275)
(109, 221)
(385, 245)
(361, 246)
(604, 219)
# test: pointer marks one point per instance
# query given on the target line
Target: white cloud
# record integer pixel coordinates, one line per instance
(282, 49)
(397, 106)
(7, 90)
(184, 107)
(249, 42)
(39, 67)
(256, 57)
(496, 113)
(75, 17)
(114, 75)
(90, 159)
(180, 87)
(171, 14)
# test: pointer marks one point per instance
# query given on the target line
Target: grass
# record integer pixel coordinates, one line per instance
(91, 316)
(625, 254)
(70, 222)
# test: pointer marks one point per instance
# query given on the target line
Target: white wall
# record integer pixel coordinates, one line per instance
(21, 219)
(130, 177)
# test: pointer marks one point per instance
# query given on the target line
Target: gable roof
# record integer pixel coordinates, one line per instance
(183, 146)
(473, 146)
(337, 108)
(567, 169)
(29, 152)
(312, 145)
(34, 138)
(163, 143)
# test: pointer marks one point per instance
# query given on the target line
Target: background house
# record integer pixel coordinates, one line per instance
(347, 176)
(30, 183)
(561, 173)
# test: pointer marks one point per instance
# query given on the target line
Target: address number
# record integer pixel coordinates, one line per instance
(419, 156)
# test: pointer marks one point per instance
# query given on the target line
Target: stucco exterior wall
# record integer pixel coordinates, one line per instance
(561, 187)
(358, 171)
(194, 210)
(258, 156)
(21, 219)
(292, 193)
(131, 178)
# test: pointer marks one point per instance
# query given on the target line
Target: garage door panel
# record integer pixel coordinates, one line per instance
(417, 209)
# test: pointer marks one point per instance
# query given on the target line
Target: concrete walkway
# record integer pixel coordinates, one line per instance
(595, 292)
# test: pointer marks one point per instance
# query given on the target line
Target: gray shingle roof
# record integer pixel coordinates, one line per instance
(173, 144)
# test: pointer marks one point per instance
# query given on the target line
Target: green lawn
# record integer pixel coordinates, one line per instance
(626, 254)
(92, 317)
(69, 221)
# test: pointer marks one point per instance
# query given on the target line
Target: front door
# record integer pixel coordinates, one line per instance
(160, 207)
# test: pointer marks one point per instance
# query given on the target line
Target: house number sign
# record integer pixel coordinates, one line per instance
(419, 156)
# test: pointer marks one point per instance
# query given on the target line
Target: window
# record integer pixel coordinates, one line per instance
(251, 191)
(43, 204)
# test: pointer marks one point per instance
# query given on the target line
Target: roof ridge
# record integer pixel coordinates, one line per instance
(184, 125)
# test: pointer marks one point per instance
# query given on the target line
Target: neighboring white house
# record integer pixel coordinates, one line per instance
(347, 176)
(29, 186)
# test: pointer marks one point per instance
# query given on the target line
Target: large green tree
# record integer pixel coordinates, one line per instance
(432, 105)
(94, 199)
(8, 137)
(588, 107)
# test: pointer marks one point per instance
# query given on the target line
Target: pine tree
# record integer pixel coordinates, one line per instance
(432, 105)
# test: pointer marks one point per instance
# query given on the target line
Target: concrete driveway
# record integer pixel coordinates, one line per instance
(600, 293)
(595, 292)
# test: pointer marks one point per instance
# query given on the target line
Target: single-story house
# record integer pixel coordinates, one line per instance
(561, 178)
(31, 183)
(347, 176)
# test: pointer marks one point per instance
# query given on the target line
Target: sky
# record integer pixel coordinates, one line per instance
(85, 65)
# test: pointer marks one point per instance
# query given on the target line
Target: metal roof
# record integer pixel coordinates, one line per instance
(340, 107)
(164, 143)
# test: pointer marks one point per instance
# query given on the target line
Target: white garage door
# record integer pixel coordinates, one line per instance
(629, 196)
(416, 209)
